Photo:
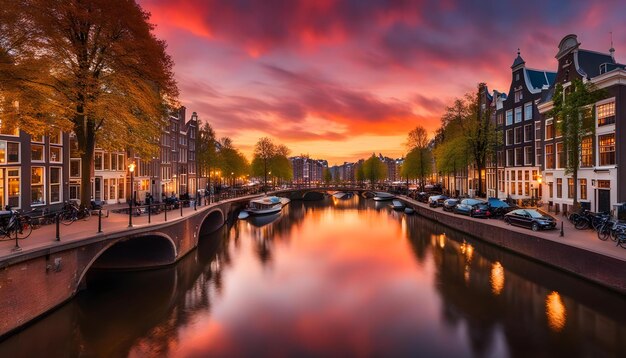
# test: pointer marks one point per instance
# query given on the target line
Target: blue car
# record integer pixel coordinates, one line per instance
(498, 207)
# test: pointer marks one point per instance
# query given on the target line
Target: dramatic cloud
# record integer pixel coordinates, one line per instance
(323, 75)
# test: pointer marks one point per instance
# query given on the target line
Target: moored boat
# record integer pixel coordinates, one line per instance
(381, 196)
(397, 205)
(266, 205)
(409, 211)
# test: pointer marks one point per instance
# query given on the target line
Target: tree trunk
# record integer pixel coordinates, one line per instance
(576, 205)
(86, 138)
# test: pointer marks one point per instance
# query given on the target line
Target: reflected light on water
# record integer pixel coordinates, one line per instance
(467, 250)
(497, 278)
(555, 311)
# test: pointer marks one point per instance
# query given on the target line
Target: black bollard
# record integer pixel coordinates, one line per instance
(165, 211)
(195, 203)
(17, 245)
(561, 229)
(181, 208)
(99, 220)
(149, 214)
(57, 220)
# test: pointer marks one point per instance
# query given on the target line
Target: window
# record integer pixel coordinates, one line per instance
(537, 130)
(120, 162)
(526, 188)
(604, 184)
(517, 76)
(500, 158)
(528, 111)
(519, 156)
(37, 138)
(107, 162)
(538, 156)
(113, 164)
(558, 131)
(510, 158)
(559, 187)
(55, 184)
(36, 186)
(519, 175)
(549, 129)
(509, 117)
(560, 156)
(570, 188)
(519, 188)
(75, 191)
(606, 113)
(13, 152)
(55, 155)
(509, 136)
(583, 188)
(528, 133)
(526, 175)
(14, 187)
(586, 152)
(551, 189)
(518, 96)
(528, 155)
(499, 118)
(98, 161)
(518, 114)
(36, 153)
(534, 175)
(55, 137)
(607, 149)
(75, 168)
(519, 135)
(513, 188)
(550, 156)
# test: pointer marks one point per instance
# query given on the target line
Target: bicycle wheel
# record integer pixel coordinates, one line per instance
(24, 228)
(604, 232)
(621, 241)
(67, 218)
(581, 224)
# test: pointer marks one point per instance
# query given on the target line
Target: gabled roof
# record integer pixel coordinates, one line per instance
(588, 62)
(537, 79)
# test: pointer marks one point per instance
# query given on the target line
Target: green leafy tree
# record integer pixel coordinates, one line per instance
(418, 161)
(359, 173)
(573, 112)
(93, 67)
(374, 170)
(206, 153)
(231, 161)
(269, 157)
(327, 175)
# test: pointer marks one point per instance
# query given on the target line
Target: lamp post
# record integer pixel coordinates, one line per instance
(539, 180)
(131, 169)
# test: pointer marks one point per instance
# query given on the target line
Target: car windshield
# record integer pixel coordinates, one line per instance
(534, 213)
(497, 203)
(472, 201)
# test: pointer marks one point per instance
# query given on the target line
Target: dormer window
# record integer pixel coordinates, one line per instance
(518, 96)
(517, 76)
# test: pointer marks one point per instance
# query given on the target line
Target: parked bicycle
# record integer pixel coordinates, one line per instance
(589, 219)
(13, 224)
(611, 229)
(72, 212)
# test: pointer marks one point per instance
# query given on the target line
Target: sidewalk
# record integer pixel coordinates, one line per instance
(45, 236)
(583, 239)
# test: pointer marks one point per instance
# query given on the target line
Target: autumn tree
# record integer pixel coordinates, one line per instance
(374, 169)
(573, 112)
(230, 160)
(93, 67)
(206, 153)
(418, 161)
(269, 157)
(327, 176)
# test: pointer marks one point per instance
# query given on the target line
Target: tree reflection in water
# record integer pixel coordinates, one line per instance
(348, 277)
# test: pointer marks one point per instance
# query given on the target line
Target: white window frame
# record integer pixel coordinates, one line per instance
(527, 106)
(518, 114)
(60, 184)
(508, 115)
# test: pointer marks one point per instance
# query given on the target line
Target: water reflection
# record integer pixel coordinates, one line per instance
(555, 311)
(335, 277)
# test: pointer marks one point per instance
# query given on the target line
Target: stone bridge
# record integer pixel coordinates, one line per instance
(37, 280)
(313, 193)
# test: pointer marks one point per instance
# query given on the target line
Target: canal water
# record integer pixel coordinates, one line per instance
(335, 278)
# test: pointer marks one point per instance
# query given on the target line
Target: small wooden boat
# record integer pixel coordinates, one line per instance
(397, 205)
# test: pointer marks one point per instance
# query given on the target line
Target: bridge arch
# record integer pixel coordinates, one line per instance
(213, 220)
(133, 253)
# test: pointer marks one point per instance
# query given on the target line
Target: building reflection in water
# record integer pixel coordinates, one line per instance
(346, 279)
(555, 311)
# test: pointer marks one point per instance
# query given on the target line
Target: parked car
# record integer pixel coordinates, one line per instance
(422, 196)
(450, 204)
(498, 207)
(436, 200)
(530, 218)
(473, 208)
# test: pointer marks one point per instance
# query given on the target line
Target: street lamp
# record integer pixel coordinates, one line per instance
(131, 169)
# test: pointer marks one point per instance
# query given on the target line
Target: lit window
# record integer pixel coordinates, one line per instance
(549, 129)
(586, 152)
(56, 155)
(528, 155)
(607, 149)
(36, 186)
(606, 114)
(550, 156)
(560, 156)
(583, 188)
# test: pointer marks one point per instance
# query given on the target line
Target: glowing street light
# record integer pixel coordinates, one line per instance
(131, 169)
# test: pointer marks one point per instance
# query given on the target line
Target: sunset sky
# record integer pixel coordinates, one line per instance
(340, 79)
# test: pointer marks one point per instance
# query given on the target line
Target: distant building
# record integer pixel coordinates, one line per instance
(307, 170)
